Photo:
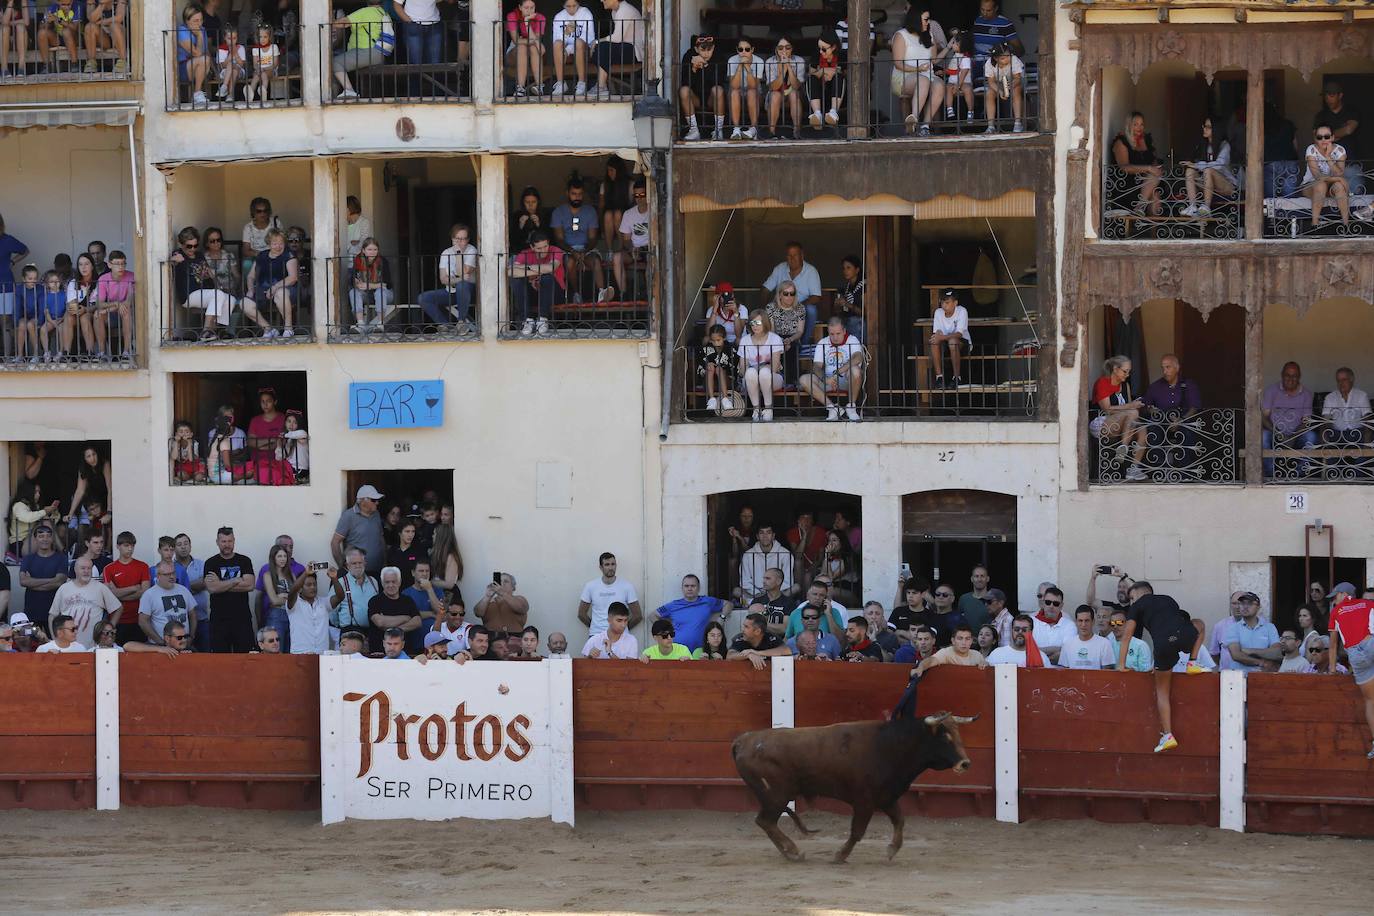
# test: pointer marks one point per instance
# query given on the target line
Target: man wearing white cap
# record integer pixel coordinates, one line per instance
(360, 525)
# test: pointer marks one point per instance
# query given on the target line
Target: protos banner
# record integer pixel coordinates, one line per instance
(430, 742)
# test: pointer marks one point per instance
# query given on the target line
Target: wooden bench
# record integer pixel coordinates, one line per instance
(429, 77)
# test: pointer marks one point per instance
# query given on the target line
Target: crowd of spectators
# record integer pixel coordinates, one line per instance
(70, 513)
(274, 452)
(588, 56)
(934, 78)
(1294, 419)
(72, 312)
(242, 61)
(259, 290)
(96, 30)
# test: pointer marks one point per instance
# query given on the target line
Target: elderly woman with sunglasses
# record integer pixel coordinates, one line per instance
(788, 317)
(1325, 176)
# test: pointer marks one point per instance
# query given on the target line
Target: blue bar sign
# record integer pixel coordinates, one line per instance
(396, 405)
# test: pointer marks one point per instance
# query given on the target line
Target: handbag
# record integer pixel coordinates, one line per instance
(386, 39)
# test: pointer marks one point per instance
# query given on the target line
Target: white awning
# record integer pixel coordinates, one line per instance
(24, 115)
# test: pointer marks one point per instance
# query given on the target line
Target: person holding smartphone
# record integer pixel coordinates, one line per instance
(500, 608)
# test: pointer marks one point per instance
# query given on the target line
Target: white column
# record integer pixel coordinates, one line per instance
(313, 14)
(106, 730)
(486, 50)
(784, 691)
(882, 546)
(331, 739)
(561, 740)
(491, 233)
(324, 235)
(1232, 763)
(1007, 745)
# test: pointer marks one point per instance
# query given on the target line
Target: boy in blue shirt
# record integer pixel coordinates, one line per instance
(27, 311)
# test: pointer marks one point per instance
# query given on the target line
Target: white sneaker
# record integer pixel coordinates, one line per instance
(832, 117)
(527, 329)
(270, 334)
(767, 415)
(751, 133)
(924, 130)
(1189, 211)
(815, 119)
(718, 134)
(851, 413)
(346, 95)
(735, 134)
(832, 412)
(991, 129)
(757, 415)
(248, 94)
(949, 113)
(1135, 472)
(712, 403)
(693, 131)
(606, 295)
(1018, 126)
(289, 332)
(559, 88)
(1204, 211)
(541, 329)
(199, 100)
(223, 91)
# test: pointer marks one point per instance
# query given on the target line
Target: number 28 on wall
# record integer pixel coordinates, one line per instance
(1296, 502)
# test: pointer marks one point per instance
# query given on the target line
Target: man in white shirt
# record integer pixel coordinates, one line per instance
(452, 623)
(624, 44)
(85, 600)
(616, 641)
(766, 554)
(599, 594)
(1015, 654)
(558, 645)
(808, 281)
(308, 611)
(458, 279)
(63, 637)
(163, 602)
(634, 230)
(1346, 409)
(1052, 627)
(574, 31)
(1086, 649)
(949, 331)
(1220, 635)
(837, 366)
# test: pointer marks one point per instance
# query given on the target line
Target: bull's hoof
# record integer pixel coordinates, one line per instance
(839, 858)
(892, 852)
(794, 855)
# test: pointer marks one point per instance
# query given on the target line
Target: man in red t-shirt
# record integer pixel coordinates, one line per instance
(128, 579)
(537, 274)
(1352, 625)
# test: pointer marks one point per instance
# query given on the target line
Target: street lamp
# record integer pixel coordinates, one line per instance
(653, 117)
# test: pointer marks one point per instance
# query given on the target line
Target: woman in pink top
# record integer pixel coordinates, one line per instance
(114, 298)
(526, 28)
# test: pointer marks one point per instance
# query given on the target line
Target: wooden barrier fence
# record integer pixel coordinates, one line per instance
(243, 731)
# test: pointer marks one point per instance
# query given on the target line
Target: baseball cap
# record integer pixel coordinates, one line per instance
(995, 594)
(1343, 587)
(1250, 597)
(1331, 86)
(368, 491)
(19, 619)
(434, 637)
(948, 293)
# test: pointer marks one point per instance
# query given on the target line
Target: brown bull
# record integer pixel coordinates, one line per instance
(869, 765)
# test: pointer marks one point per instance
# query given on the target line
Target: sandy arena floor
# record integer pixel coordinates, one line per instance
(191, 860)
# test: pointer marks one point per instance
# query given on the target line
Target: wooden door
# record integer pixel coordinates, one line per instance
(1212, 352)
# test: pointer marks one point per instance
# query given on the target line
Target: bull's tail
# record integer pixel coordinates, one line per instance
(791, 812)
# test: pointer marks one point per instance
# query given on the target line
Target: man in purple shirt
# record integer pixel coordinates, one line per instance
(1171, 402)
(1287, 417)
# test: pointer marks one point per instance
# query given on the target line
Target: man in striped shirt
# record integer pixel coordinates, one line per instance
(991, 29)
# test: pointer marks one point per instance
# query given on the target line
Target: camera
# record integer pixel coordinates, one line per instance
(319, 566)
(1104, 570)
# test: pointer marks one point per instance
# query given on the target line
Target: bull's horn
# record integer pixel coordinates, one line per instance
(963, 720)
(937, 718)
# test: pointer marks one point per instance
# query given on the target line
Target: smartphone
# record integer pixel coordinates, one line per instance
(496, 578)
(319, 566)
(905, 572)
(1104, 570)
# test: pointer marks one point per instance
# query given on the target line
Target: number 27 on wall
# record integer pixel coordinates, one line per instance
(945, 456)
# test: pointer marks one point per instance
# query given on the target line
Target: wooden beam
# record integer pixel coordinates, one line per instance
(1254, 154)
(860, 54)
(1254, 391)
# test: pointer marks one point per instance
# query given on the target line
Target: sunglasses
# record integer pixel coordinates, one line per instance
(1049, 603)
(705, 42)
(1323, 136)
(944, 594)
(811, 617)
(788, 295)
(179, 636)
(190, 245)
(213, 240)
(1117, 624)
(265, 642)
(744, 49)
(261, 210)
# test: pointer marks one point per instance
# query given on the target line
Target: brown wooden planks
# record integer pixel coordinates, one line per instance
(830, 692)
(45, 755)
(1139, 772)
(201, 754)
(222, 695)
(669, 701)
(48, 694)
(653, 759)
(1103, 711)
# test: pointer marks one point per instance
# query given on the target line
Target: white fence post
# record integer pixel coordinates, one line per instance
(561, 740)
(1232, 763)
(784, 691)
(106, 730)
(331, 738)
(1006, 759)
